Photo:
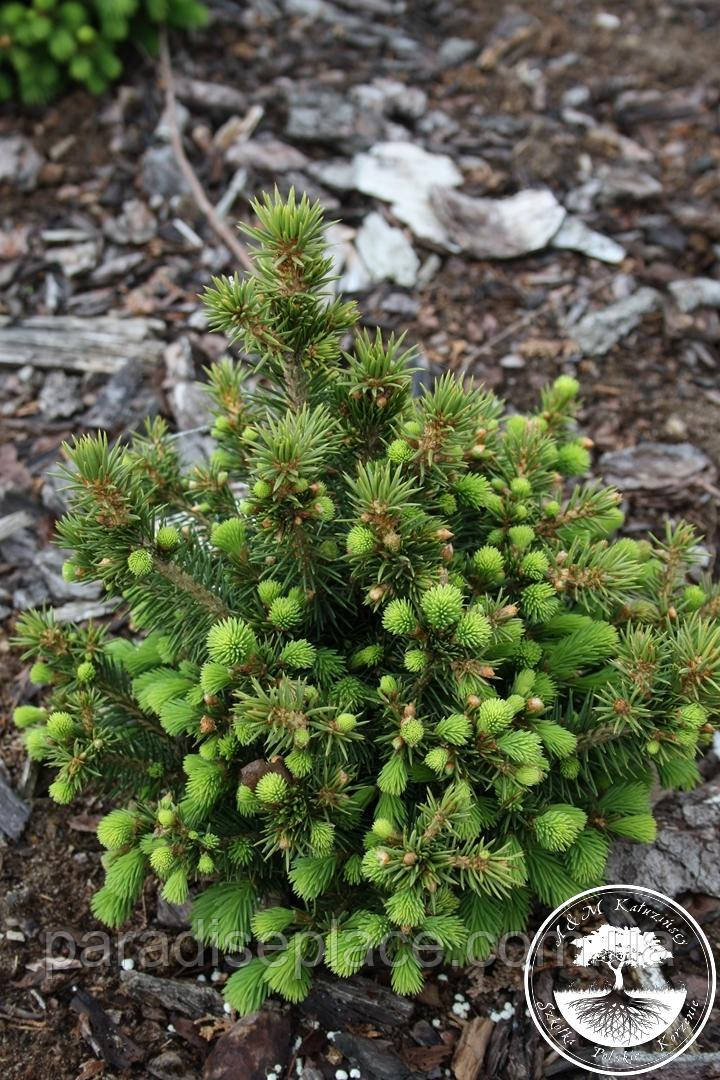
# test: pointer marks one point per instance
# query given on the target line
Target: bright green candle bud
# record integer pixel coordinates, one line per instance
(565, 388)
(285, 612)
(345, 723)
(167, 538)
(69, 570)
(205, 864)
(229, 536)
(85, 672)
(298, 655)
(442, 606)
(231, 642)
(271, 788)
(383, 828)
(528, 775)
(61, 726)
(61, 791)
(473, 631)
(415, 660)
(41, 673)
(360, 541)
(521, 487)
(521, 536)
(324, 508)
(694, 597)
(140, 562)
(261, 489)
(399, 452)
(573, 459)
(534, 565)
(25, 715)
(438, 759)
(399, 617)
(268, 591)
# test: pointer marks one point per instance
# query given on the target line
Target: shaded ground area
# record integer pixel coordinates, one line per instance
(615, 111)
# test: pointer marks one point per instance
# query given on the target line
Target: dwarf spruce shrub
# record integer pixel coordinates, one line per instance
(390, 678)
(45, 44)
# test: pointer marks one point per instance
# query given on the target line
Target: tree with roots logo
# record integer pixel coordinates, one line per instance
(619, 946)
(618, 1016)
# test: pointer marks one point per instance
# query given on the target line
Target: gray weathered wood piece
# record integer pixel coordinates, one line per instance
(105, 344)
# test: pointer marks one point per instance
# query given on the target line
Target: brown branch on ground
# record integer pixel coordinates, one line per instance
(213, 219)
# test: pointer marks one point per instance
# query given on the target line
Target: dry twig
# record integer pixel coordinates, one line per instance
(214, 221)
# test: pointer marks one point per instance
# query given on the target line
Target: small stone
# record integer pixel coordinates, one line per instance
(669, 468)
(606, 20)
(128, 964)
(215, 97)
(675, 427)
(170, 1066)
(575, 97)
(692, 293)
(164, 128)
(74, 260)
(325, 116)
(598, 331)
(455, 50)
(135, 225)
(161, 174)
(399, 303)
(499, 228)
(266, 154)
(575, 235)
(20, 163)
(117, 266)
(60, 396)
(512, 362)
(618, 182)
(403, 174)
(386, 251)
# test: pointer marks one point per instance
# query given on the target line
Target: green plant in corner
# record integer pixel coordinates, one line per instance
(47, 44)
(391, 676)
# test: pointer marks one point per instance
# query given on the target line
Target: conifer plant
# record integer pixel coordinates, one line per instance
(390, 679)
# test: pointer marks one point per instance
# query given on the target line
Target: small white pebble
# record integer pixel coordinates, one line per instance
(442, 977)
(216, 976)
(227, 1007)
(299, 1067)
(171, 1029)
(459, 997)
(200, 978)
(278, 1068)
(436, 1023)
(128, 963)
(461, 1010)
(271, 1076)
(355, 1074)
(340, 1074)
(607, 20)
(331, 1035)
(298, 1043)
